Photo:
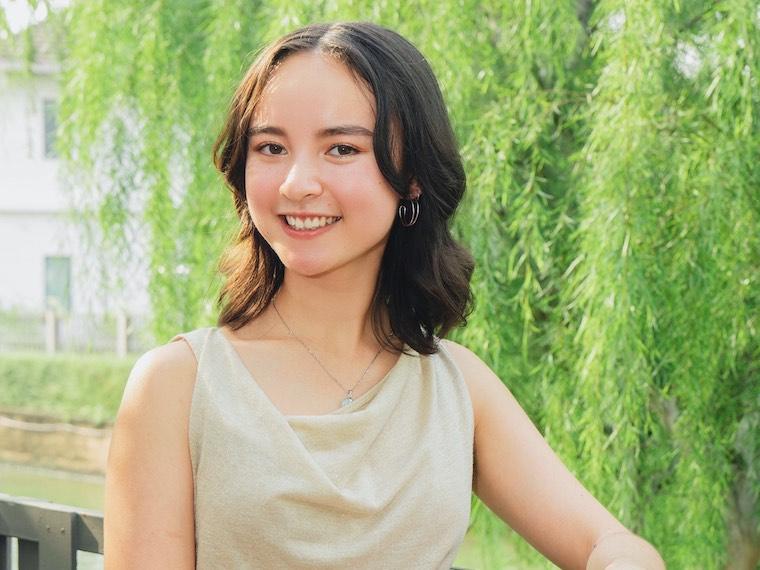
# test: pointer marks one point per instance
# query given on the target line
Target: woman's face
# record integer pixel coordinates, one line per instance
(313, 187)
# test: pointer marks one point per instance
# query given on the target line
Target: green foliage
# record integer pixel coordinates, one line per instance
(612, 152)
(67, 387)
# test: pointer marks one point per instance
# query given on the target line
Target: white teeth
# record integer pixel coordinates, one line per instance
(310, 223)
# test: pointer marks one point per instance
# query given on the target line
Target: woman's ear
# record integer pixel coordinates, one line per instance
(414, 190)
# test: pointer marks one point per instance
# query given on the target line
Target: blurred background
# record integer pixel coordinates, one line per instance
(613, 156)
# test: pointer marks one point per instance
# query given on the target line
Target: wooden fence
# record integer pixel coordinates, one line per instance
(52, 332)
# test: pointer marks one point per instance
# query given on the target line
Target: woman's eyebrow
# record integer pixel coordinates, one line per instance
(264, 129)
(346, 130)
(350, 130)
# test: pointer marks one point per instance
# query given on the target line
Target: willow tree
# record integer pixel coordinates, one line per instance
(612, 151)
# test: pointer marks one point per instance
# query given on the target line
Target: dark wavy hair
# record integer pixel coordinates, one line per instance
(424, 279)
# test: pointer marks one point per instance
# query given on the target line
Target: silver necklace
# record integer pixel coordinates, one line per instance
(349, 397)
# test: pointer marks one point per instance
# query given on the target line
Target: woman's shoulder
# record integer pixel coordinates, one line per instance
(159, 379)
(466, 360)
(478, 377)
(175, 356)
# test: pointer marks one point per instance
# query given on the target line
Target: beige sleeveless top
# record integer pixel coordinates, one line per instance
(384, 482)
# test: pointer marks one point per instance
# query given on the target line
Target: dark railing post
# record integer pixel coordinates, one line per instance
(49, 534)
(28, 555)
(5, 553)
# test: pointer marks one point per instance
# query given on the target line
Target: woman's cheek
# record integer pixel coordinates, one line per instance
(260, 185)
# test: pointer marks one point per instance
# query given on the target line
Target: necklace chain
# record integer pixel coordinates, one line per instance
(349, 391)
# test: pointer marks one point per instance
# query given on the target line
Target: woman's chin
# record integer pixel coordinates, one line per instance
(307, 268)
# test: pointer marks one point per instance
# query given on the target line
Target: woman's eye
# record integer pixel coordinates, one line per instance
(342, 150)
(272, 149)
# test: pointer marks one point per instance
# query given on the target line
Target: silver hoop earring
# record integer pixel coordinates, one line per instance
(409, 214)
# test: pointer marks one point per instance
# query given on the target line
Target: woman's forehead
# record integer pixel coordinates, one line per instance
(310, 88)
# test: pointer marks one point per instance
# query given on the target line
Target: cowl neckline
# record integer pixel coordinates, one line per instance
(358, 403)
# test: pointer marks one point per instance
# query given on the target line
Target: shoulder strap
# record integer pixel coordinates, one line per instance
(196, 339)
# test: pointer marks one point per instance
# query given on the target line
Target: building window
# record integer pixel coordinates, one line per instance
(58, 283)
(50, 112)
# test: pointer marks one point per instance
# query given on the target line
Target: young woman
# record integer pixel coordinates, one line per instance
(324, 423)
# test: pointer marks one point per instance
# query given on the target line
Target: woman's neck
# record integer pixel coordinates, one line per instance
(331, 312)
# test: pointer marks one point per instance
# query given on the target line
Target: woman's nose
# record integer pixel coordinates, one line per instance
(302, 181)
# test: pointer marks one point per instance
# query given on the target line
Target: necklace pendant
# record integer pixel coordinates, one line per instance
(347, 400)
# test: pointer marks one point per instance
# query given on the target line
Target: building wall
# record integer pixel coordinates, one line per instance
(27, 238)
(28, 180)
(35, 218)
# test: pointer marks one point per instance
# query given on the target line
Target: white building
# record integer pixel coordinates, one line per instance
(44, 262)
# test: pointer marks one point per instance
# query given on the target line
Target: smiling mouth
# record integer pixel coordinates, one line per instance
(313, 223)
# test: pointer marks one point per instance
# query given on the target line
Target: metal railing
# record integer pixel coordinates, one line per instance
(49, 535)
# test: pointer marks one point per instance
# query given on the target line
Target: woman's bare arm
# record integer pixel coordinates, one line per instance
(149, 484)
(623, 551)
(522, 480)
